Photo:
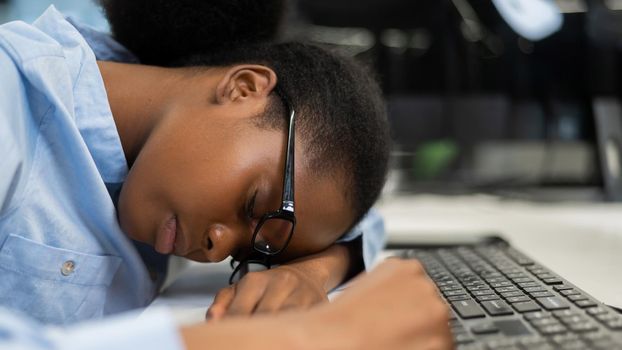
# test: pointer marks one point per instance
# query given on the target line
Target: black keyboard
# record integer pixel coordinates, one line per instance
(502, 299)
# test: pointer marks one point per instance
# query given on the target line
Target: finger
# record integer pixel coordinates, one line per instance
(220, 304)
(248, 292)
(275, 298)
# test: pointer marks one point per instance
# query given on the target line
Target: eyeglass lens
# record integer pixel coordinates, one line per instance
(273, 235)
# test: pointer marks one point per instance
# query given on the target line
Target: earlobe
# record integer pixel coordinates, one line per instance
(242, 82)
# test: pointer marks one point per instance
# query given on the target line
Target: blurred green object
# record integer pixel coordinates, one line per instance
(432, 159)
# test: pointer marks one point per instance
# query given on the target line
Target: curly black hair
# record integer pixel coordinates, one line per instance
(159, 32)
(340, 113)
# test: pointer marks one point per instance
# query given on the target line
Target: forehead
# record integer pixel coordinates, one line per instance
(323, 212)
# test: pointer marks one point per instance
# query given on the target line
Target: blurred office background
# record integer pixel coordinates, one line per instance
(511, 97)
(480, 101)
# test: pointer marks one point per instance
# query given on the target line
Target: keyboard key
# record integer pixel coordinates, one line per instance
(597, 310)
(585, 303)
(497, 307)
(541, 294)
(553, 329)
(463, 338)
(552, 280)
(607, 317)
(512, 294)
(478, 287)
(536, 315)
(568, 292)
(560, 339)
(582, 327)
(526, 306)
(566, 313)
(562, 287)
(577, 297)
(614, 324)
(512, 327)
(487, 297)
(591, 337)
(455, 292)
(543, 322)
(518, 299)
(545, 275)
(522, 280)
(484, 328)
(553, 303)
(529, 284)
(449, 287)
(501, 284)
(568, 320)
(468, 308)
(458, 297)
(535, 289)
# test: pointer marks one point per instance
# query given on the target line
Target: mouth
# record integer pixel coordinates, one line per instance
(165, 240)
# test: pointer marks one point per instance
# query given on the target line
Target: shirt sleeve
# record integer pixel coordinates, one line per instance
(371, 231)
(11, 132)
(153, 330)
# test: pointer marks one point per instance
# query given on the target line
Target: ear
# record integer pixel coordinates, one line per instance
(246, 81)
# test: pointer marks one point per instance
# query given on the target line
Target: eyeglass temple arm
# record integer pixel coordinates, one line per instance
(288, 181)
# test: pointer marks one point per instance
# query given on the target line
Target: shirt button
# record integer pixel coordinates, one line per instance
(67, 268)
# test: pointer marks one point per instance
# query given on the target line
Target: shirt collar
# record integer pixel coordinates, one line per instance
(92, 112)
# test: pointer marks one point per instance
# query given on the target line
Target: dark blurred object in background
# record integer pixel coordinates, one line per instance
(476, 106)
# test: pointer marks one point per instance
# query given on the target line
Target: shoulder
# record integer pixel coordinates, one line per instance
(49, 47)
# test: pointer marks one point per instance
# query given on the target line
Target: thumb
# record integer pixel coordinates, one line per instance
(221, 303)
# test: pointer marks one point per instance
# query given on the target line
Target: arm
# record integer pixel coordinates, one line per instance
(394, 307)
(306, 281)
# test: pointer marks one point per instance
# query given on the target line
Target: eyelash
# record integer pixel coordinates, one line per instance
(250, 206)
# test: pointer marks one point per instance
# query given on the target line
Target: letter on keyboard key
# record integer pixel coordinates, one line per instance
(553, 303)
(468, 308)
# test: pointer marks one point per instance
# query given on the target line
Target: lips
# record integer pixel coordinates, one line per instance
(165, 240)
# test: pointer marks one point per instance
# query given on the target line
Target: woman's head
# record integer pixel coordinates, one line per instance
(342, 119)
(205, 166)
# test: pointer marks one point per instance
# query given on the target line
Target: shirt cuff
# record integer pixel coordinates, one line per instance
(153, 329)
(372, 232)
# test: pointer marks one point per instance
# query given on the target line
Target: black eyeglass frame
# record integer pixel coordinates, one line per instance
(286, 211)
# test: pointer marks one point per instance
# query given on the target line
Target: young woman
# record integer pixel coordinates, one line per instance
(166, 35)
(273, 150)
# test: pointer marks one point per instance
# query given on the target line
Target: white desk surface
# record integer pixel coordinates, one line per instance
(580, 241)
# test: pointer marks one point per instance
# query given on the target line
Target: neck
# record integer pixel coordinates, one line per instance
(139, 97)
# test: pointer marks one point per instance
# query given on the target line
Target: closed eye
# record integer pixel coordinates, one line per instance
(250, 206)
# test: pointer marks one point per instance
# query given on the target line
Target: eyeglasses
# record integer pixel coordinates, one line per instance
(241, 268)
(275, 229)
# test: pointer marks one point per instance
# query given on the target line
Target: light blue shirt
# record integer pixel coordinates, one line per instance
(63, 256)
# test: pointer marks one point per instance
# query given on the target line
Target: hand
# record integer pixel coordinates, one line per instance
(396, 306)
(283, 287)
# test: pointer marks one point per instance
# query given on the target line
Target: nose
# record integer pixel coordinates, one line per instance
(222, 241)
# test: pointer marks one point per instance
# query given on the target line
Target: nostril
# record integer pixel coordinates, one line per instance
(210, 244)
